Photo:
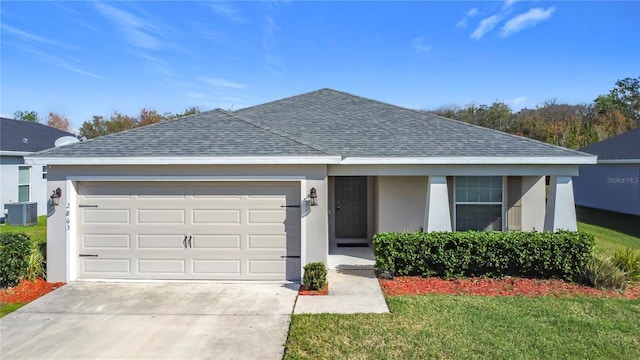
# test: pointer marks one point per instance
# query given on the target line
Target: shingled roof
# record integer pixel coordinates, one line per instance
(26, 137)
(621, 147)
(326, 123)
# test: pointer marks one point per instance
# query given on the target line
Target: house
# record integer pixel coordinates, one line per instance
(257, 193)
(21, 182)
(614, 183)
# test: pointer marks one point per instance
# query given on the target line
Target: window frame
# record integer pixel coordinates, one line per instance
(501, 203)
(27, 184)
(45, 170)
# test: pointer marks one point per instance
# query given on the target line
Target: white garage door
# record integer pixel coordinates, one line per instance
(189, 230)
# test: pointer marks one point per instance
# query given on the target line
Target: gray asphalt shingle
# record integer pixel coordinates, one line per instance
(323, 122)
(621, 147)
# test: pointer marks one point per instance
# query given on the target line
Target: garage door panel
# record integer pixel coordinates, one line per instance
(164, 241)
(268, 242)
(274, 267)
(222, 216)
(161, 216)
(202, 241)
(161, 266)
(106, 216)
(216, 267)
(106, 241)
(106, 266)
(266, 216)
(238, 231)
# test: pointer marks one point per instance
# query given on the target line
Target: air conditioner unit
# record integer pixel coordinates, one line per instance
(22, 213)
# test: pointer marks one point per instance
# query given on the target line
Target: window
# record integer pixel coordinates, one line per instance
(44, 172)
(478, 203)
(24, 183)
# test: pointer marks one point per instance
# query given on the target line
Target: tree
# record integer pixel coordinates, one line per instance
(58, 122)
(26, 116)
(148, 117)
(94, 128)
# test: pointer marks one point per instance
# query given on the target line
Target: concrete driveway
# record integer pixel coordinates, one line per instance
(152, 320)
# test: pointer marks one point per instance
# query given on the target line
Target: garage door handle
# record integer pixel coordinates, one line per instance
(87, 255)
(184, 242)
(189, 240)
(288, 206)
(290, 257)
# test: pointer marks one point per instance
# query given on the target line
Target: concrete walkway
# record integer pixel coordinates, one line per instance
(350, 291)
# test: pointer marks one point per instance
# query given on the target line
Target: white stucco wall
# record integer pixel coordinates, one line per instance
(401, 203)
(614, 187)
(9, 184)
(60, 241)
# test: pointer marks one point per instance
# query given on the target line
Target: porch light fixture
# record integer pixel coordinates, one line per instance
(55, 197)
(313, 196)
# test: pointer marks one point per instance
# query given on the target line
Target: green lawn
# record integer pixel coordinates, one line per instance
(612, 230)
(9, 308)
(465, 327)
(37, 232)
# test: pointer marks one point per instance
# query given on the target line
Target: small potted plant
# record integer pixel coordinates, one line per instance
(314, 279)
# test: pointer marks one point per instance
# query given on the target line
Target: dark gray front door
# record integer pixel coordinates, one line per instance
(351, 206)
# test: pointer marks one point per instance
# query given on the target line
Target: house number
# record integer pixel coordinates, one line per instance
(68, 217)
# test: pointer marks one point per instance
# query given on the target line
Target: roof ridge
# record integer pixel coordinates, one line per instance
(277, 132)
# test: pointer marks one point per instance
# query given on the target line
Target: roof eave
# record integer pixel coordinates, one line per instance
(14, 153)
(471, 160)
(239, 160)
(618, 161)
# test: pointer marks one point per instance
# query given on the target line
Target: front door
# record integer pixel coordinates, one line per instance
(351, 206)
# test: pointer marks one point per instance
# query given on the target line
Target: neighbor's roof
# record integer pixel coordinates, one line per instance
(620, 147)
(324, 126)
(21, 137)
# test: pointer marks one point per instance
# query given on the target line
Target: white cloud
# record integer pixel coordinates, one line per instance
(420, 46)
(28, 36)
(137, 31)
(485, 26)
(59, 62)
(225, 10)
(219, 82)
(471, 13)
(508, 4)
(526, 20)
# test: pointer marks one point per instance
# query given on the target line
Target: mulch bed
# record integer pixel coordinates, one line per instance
(415, 285)
(308, 292)
(27, 291)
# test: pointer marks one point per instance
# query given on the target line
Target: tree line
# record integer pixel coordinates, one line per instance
(572, 126)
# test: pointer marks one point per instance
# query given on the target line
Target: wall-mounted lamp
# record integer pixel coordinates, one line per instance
(55, 197)
(313, 196)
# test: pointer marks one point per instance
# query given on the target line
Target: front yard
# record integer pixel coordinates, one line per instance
(464, 327)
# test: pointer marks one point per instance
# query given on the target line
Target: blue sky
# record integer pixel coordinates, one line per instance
(87, 58)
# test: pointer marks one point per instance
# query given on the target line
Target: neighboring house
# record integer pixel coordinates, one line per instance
(614, 183)
(229, 195)
(20, 182)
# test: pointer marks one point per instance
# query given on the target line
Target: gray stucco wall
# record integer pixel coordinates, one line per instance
(614, 187)
(9, 183)
(59, 236)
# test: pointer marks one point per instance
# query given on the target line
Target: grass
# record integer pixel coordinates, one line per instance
(9, 308)
(37, 232)
(465, 327)
(612, 230)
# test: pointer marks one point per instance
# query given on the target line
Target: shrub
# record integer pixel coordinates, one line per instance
(628, 261)
(36, 261)
(602, 272)
(315, 275)
(14, 252)
(491, 254)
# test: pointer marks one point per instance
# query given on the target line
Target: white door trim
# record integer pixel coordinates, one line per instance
(72, 193)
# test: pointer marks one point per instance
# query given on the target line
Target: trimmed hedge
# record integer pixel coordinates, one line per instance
(560, 255)
(14, 254)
